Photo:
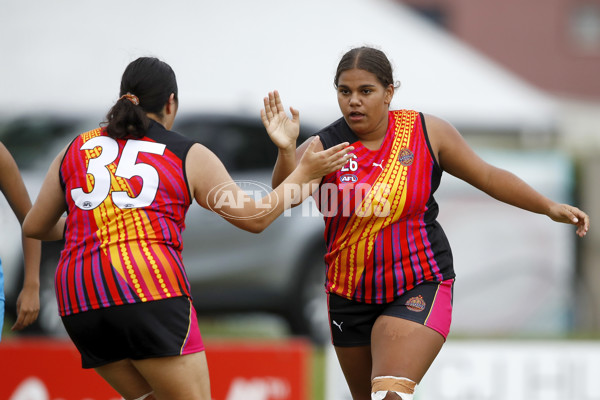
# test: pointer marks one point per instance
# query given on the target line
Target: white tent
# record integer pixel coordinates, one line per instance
(68, 56)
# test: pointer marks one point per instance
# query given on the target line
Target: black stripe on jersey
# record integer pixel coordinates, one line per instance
(176, 143)
(336, 133)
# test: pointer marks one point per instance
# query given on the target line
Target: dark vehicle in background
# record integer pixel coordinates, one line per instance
(279, 271)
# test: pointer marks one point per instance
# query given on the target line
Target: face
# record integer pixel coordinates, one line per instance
(364, 102)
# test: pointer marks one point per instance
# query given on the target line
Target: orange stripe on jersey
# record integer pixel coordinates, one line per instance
(122, 252)
(357, 240)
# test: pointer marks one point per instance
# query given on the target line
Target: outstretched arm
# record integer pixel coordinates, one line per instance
(214, 189)
(13, 188)
(457, 158)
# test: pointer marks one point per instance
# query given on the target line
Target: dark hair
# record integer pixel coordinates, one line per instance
(369, 59)
(152, 81)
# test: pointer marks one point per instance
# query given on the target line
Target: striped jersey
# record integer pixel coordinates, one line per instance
(126, 203)
(380, 215)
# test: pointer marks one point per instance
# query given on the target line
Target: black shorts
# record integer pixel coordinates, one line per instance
(429, 304)
(135, 331)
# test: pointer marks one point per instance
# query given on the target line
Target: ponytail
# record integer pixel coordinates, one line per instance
(126, 118)
(146, 86)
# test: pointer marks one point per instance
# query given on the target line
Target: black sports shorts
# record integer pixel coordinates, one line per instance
(429, 304)
(135, 331)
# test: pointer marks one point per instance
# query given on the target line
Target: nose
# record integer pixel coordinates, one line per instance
(354, 99)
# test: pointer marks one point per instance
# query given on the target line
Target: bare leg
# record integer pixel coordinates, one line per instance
(356, 366)
(125, 379)
(171, 378)
(178, 377)
(403, 348)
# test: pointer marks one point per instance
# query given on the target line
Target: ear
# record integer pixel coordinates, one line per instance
(171, 106)
(389, 94)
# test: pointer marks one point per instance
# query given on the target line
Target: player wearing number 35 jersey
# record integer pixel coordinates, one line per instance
(121, 286)
(127, 201)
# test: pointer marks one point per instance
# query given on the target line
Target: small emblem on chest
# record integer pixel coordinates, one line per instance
(406, 157)
(348, 178)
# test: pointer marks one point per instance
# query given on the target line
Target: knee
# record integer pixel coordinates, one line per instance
(382, 385)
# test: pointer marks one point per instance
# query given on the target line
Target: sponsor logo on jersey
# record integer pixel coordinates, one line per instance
(416, 304)
(406, 157)
(348, 178)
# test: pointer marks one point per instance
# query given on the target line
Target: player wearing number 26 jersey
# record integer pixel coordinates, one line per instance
(126, 202)
(380, 215)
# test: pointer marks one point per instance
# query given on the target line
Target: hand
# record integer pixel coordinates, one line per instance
(571, 215)
(28, 308)
(282, 130)
(320, 163)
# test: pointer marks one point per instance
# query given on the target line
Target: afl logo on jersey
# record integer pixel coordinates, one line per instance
(416, 304)
(406, 157)
(348, 178)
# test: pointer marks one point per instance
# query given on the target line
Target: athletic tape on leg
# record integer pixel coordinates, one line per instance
(381, 385)
(145, 396)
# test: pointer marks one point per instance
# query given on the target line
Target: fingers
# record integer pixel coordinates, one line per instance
(576, 217)
(342, 148)
(582, 220)
(277, 100)
(273, 105)
(268, 111)
(264, 118)
(312, 146)
(334, 157)
(295, 114)
(24, 319)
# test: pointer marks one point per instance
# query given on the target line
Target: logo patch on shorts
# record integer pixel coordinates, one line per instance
(416, 304)
(406, 157)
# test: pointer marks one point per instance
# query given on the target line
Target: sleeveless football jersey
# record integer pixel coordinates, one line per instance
(380, 215)
(126, 203)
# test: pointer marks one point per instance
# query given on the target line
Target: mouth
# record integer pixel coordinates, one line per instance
(355, 116)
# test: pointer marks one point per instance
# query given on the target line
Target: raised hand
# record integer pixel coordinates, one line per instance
(317, 164)
(282, 130)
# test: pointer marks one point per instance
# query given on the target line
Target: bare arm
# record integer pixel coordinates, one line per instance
(214, 189)
(44, 221)
(13, 188)
(284, 131)
(457, 158)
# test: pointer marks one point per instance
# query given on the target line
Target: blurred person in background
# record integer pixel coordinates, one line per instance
(390, 272)
(13, 189)
(121, 285)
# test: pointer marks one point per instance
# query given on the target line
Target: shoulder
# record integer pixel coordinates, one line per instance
(439, 130)
(335, 133)
(435, 122)
(176, 142)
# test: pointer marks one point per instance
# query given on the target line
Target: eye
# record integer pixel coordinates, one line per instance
(367, 91)
(343, 91)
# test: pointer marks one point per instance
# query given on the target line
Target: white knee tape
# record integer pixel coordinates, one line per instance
(145, 396)
(403, 387)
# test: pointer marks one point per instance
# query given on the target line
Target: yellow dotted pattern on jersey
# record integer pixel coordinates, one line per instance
(358, 238)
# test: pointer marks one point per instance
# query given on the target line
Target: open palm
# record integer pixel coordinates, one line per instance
(282, 130)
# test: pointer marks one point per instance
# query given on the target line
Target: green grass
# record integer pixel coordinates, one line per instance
(317, 373)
